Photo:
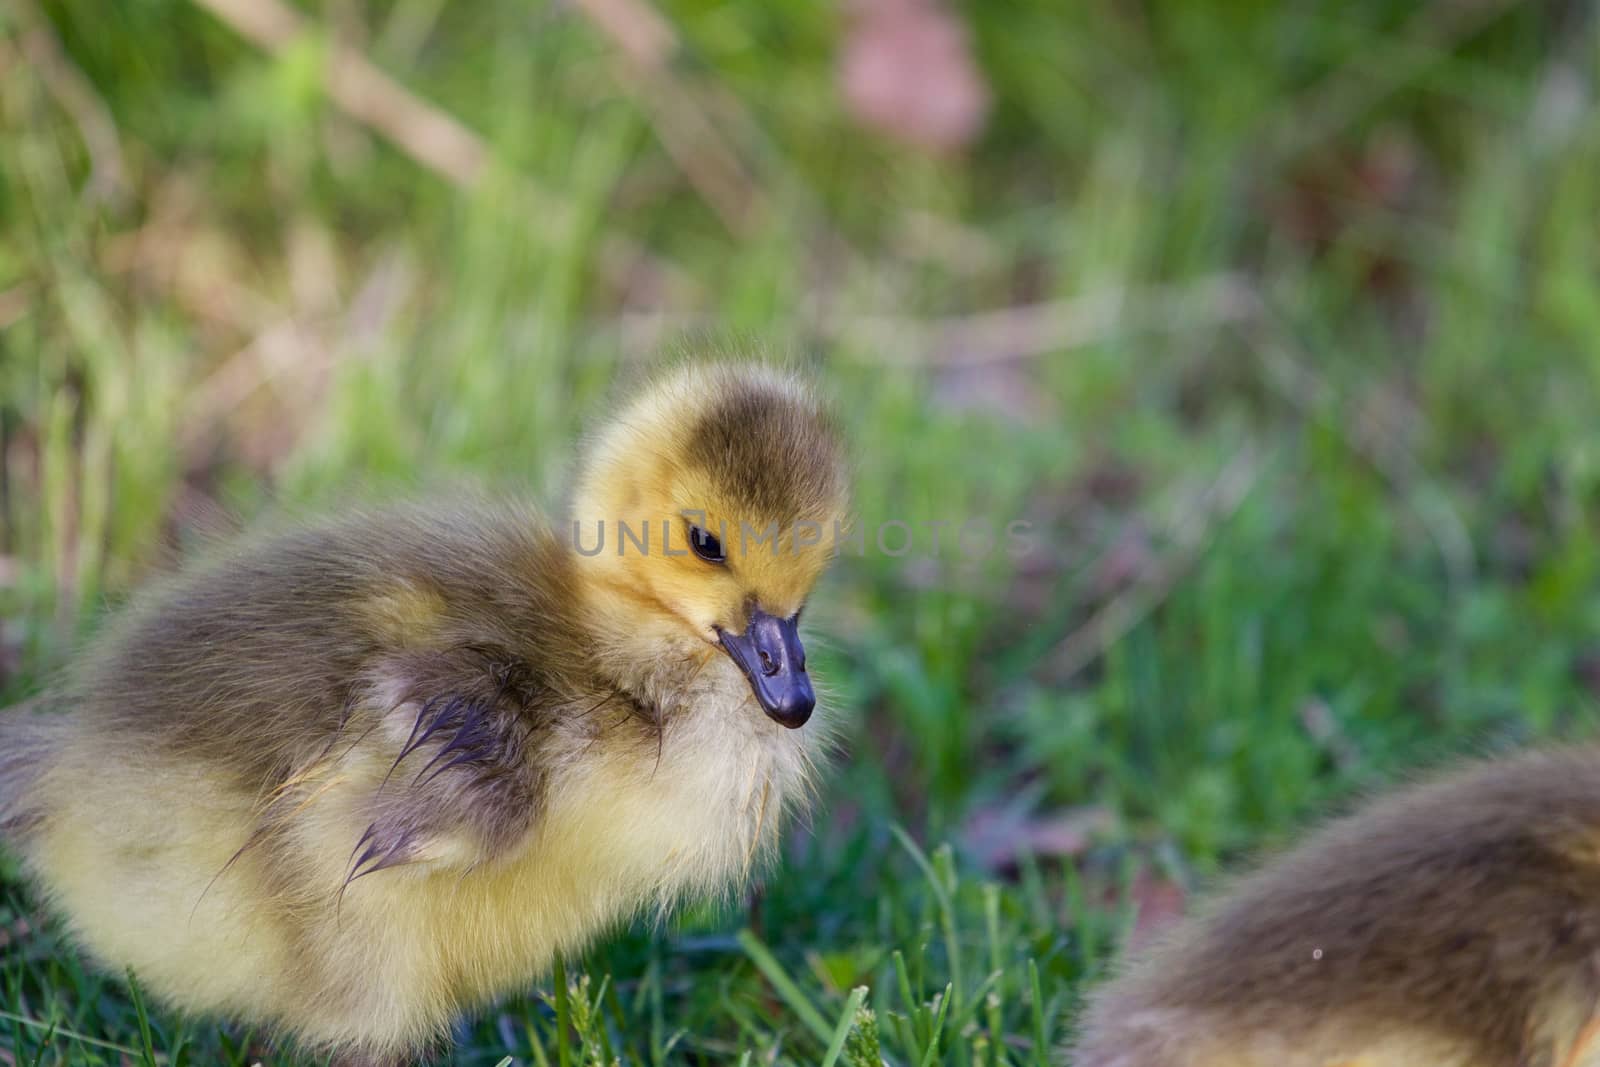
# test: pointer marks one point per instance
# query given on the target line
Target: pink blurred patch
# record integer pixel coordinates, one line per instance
(907, 70)
(1159, 903)
(999, 837)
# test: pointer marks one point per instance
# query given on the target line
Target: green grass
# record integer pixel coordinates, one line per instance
(1311, 446)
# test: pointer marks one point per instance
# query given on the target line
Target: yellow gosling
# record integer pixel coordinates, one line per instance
(350, 780)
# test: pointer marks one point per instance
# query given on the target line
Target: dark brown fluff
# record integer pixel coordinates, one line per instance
(1461, 915)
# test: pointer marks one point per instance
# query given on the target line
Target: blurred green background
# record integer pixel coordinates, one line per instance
(1278, 321)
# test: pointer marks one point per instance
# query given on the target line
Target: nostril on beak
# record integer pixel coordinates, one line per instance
(772, 658)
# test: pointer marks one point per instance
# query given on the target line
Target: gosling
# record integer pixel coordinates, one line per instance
(1455, 923)
(350, 780)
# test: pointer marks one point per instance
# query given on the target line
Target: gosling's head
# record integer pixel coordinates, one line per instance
(707, 509)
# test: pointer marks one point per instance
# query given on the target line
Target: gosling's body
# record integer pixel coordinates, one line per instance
(353, 779)
(1452, 924)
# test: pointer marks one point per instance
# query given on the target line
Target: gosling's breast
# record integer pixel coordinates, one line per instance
(628, 828)
(693, 815)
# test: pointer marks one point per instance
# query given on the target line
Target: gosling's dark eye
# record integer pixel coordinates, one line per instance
(706, 545)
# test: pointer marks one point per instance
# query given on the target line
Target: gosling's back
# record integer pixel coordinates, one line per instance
(251, 660)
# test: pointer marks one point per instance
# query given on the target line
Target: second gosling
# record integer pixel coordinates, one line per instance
(1455, 923)
(351, 780)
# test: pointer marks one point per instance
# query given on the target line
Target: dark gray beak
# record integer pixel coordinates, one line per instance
(770, 655)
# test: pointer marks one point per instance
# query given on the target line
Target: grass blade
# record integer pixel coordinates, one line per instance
(786, 988)
(909, 1002)
(1041, 1042)
(994, 1005)
(44, 1046)
(563, 1013)
(938, 1028)
(71, 1035)
(947, 917)
(847, 1022)
(147, 1049)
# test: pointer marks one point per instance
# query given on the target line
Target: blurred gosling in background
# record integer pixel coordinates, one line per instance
(1452, 924)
